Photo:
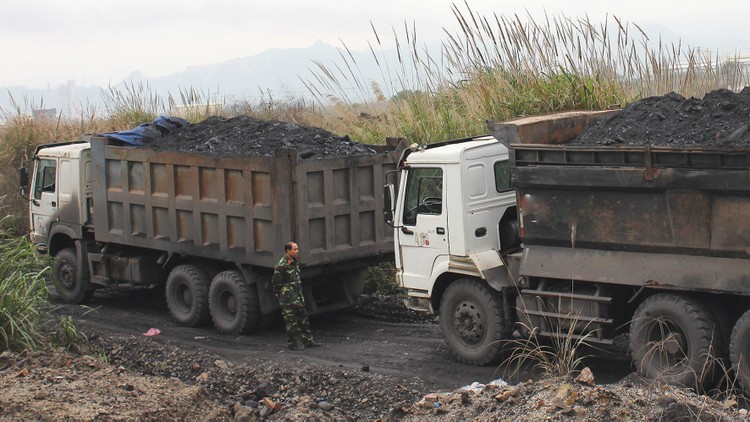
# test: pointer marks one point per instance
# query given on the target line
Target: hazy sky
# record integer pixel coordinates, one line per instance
(95, 42)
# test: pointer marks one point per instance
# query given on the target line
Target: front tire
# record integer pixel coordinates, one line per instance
(472, 322)
(233, 303)
(71, 284)
(187, 295)
(739, 351)
(674, 338)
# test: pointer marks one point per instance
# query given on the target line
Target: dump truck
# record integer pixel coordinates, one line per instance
(520, 235)
(209, 230)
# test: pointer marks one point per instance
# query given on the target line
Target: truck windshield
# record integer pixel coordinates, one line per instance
(424, 194)
(44, 180)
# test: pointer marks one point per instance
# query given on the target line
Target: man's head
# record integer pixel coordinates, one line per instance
(291, 249)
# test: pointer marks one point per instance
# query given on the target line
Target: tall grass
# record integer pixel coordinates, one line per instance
(498, 67)
(23, 293)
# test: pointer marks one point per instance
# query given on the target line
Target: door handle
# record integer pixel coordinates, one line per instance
(440, 230)
(35, 202)
(54, 204)
(404, 230)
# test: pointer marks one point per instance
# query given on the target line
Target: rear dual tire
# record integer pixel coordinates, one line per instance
(187, 295)
(675, 339)
(233, 304)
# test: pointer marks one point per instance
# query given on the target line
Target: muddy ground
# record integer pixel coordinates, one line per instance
(377, 362)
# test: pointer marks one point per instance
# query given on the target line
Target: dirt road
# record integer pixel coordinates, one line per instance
(352, 339)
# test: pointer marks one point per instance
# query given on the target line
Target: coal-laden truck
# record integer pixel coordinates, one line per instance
(520, 235)
(208, 229)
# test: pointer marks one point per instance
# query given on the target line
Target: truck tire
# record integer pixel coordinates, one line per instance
(739, 351)
(673, 338)
(70, 285)
(472, 322)
(233, 303)
(187, 295)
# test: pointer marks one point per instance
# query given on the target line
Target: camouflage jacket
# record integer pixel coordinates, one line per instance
(287, 283)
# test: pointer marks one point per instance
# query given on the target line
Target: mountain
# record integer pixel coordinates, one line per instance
(276, 70)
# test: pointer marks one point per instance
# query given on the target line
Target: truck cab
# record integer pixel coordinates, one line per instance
(60, 195)
(454, 219)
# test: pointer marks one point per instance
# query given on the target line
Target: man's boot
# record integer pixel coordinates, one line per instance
(298, 345)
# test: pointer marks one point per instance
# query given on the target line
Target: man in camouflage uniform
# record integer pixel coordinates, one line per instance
(288, 288)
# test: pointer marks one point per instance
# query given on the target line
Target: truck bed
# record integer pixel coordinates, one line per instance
(642, 215)
(241, 209)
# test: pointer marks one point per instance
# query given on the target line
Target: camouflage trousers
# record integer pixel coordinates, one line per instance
(297, 325)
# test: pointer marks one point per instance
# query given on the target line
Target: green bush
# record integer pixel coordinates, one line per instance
(27, 321)
(380, 279)
(23, 293)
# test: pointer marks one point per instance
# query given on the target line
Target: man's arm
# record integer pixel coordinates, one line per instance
(278, 279)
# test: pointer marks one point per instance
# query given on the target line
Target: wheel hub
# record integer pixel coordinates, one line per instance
(187, 297)
(67, 277)
(669, 343)
(230, 303)
(469, 322)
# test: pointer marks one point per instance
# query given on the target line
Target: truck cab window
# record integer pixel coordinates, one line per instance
(502, 176)
(424, 194)
(44, 180)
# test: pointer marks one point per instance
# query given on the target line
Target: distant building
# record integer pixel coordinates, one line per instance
(44, 114)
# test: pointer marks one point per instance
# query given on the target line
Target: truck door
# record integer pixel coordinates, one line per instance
(44, 202)
(424, 232)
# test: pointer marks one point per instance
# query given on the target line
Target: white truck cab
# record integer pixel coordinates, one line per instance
(60, 186)
(454, 218)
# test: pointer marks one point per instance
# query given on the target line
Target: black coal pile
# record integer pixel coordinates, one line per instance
(721, 119)
(245, 136)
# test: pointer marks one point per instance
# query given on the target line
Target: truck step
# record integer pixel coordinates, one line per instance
(590, 338)
(563, 295)
(569, 317)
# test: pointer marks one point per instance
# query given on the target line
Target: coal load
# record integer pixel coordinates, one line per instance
(245, 136)
(721, 119)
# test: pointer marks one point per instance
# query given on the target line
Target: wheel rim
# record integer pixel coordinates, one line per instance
(668, 348)
(228, 305)
(184, 298)
(469, 322)
(67, 276)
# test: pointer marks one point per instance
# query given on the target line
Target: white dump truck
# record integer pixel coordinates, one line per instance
(517, 233)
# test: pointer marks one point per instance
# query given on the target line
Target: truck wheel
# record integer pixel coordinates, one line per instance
(187, 295)
(70, 285)
(472, 322)
(739, 351)
(233, 303)
(673, 338)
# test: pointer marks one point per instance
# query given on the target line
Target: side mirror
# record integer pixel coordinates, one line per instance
(23, 180)
(388, 205)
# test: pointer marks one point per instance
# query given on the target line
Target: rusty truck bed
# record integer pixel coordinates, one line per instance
(634, 215)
